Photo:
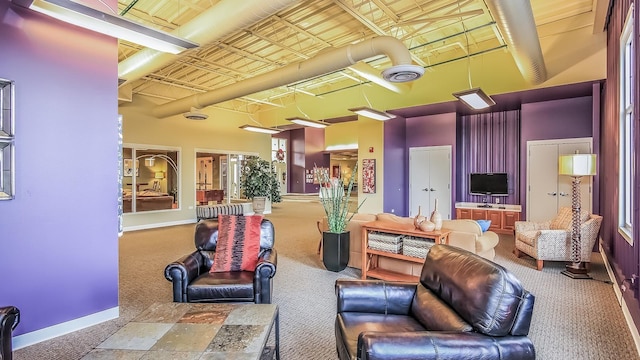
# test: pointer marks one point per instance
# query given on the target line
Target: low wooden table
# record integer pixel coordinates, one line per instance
(370, 256)
(194, 331)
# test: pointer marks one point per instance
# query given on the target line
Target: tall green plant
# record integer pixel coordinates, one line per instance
(259, 178)
(336, 200)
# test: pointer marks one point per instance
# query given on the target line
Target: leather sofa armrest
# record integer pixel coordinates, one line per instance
(425, 345)
(181, 272)
(267, 263)
(373, 296)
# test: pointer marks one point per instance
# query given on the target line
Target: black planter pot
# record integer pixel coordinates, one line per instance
(335, 250)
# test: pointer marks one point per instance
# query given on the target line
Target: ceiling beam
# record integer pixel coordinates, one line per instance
(600, 12)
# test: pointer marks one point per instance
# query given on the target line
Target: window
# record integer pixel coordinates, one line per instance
(627, 91)
(7, 166)
(151, 178)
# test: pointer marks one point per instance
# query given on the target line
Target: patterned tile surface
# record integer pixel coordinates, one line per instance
(183, 331)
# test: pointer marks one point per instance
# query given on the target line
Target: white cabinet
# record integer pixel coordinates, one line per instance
(430, 179)
(547, 191)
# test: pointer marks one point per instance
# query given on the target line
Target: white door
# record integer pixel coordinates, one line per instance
(547, 191)
(430, 179)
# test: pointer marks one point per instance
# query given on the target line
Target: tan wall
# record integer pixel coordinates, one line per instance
(220, 133)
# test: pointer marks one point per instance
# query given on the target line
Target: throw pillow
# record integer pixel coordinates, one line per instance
(484, 224)
(238, 244)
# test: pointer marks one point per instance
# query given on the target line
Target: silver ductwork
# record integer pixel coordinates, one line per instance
(220, 20)
(324, 62)
(516, 23)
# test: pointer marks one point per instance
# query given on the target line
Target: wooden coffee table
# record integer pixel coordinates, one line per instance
(194, 331)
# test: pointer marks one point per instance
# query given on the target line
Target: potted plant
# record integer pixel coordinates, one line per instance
(336, 201)
(258, 182)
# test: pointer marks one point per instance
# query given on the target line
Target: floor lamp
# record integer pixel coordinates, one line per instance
(576, 166)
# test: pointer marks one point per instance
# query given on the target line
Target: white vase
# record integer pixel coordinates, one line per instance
(436, 218)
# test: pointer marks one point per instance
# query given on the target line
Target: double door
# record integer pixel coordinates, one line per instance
(430, 179)
(547, 191)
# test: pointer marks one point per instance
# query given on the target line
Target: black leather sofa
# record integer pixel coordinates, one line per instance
(192, 281)
(9, 319)
(464, 307)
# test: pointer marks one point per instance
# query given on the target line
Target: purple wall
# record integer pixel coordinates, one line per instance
(59, 244)
(314, 147)
(297, 158)
(396, 167)
(547, 120)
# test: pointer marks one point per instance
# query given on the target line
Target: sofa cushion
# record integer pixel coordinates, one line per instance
(238, 243)
(464, 225)
(386, 217)
(562, 221)
(484, 224)
(434, 314)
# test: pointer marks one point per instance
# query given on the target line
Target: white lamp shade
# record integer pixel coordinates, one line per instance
(577, 165)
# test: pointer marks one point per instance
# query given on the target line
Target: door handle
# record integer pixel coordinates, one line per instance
(425, 189)
(552, 193)
(432, 189)
(563, 194)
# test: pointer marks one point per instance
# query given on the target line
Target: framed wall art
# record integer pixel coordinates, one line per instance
(369, 176)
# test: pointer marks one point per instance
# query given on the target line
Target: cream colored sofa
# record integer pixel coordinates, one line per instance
(465, 234)
(468, 235)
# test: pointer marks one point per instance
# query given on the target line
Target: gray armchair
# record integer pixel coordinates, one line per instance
(551, 240)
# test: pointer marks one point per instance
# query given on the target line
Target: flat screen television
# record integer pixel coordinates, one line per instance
(494, 184)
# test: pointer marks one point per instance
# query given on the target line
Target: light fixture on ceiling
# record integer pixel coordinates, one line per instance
(259, 129)
(308, 122)
(372, 113)
(475, 98)
(108, 24)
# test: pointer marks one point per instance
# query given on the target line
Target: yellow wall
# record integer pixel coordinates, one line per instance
(371, 135)
(218, 133)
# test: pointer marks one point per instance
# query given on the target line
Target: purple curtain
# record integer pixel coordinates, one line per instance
(491, 143)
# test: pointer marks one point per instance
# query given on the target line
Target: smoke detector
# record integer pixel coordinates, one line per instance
(403, 73)
(195, 114)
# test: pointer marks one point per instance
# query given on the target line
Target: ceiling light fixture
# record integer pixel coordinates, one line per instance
(108, 24)
(260, 129)
(372, 113)
(308, 122)
(475, 98)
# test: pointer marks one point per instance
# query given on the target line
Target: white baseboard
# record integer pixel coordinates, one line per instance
(51, 332)
(623, 303)
(159, 225)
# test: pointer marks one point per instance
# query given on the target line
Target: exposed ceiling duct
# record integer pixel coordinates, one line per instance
(220, 20)
(516, 23)
(324, 62)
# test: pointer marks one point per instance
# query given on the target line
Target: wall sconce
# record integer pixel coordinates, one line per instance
(372, 113)
(475, 98)
(308, 122)
(108, 24)
(159, 175)
(260, 129)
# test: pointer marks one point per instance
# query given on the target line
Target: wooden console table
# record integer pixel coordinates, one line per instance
(370, 256)
(503, 217)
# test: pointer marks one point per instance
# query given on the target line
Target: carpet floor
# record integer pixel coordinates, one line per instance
(572, 319)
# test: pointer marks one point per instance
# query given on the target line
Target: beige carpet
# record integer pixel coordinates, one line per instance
(573, 319)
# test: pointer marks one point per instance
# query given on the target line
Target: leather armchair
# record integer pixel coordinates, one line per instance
(192, 281)
(464, 307)
(9, 319)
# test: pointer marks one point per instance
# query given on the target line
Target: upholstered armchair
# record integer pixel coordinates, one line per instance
(463, 307)
(9, 319)
(551, 240)
(192, 281)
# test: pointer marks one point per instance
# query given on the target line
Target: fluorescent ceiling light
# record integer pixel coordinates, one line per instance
(308, 122)
(259, 129)
(475, 98)
(108, 24)
(372, 113)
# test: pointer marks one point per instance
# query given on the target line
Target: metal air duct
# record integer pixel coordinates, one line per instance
(215, 23)
(516, 23)
(324, 62)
